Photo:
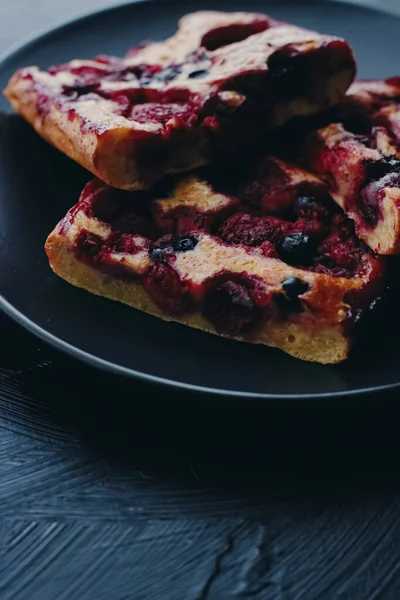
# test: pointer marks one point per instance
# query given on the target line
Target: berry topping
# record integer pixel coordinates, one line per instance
(309, 207)
(106, 59)
(253, 193)
(297, 249)
(162, 113)
(246, 229)
(342, 227)
(367, 204)
(88, 244)
(131, 223)
(198, 74)
(167, 290)
(163, 244)
(168, 74)
(187, 222)
(267, 249)
(162, 249)
(235, 303)
(184, 244)
(168, 245)
(337, 257)
(230, 34)
(369, 201)
(157, 254)
(160, 76)
(80, 89)
(313, 228)
(295, 287)
(125, 243)
(289, 300)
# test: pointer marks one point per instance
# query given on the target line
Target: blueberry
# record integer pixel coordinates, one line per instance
(168, 74)
(294, 287)
(168, 245)
(157, 253)
(302, 205)
(297, 249)
(289, 301)
(197, 74)
(80, 89)
(304, 201)
(310, 207)
(163, 76)
(394, 164)
(146, 80)
(184, 244)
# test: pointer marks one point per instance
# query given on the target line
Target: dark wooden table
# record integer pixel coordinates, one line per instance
(111, 490)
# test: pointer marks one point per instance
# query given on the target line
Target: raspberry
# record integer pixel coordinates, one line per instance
(313, 228)
(167, 290)
(235, 303)
(248, 230)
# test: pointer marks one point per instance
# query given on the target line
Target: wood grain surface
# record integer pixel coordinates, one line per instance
(118, 491)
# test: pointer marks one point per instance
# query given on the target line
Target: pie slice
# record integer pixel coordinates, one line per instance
(270, 259)
(221, 81)
(359, 158)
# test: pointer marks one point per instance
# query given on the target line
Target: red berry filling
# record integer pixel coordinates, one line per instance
(313, 228)
(230, 34)
(289, 300)
(341, 253)
(88, 246)
(125, 243)
(167, 290)
(370, 198)
(268, 250)
(182, 220)
(308, 207)
(243, 228)
(162, 113)
(318, 239)
(235, 303)
(292, 73)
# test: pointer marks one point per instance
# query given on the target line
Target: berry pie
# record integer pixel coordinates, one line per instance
(268, 258)
(222, 80)
(359, 158)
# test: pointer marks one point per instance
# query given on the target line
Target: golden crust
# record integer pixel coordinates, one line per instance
(121, 148)
(110, 155)
(309, 339)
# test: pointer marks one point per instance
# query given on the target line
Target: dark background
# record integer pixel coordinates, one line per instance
(117, 491)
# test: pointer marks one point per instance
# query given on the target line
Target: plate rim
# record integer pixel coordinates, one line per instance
(108, 366)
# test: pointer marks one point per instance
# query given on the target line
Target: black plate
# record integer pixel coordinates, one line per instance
(38, 185)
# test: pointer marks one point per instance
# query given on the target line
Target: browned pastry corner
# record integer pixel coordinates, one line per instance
(221, 81)
(271, 260)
